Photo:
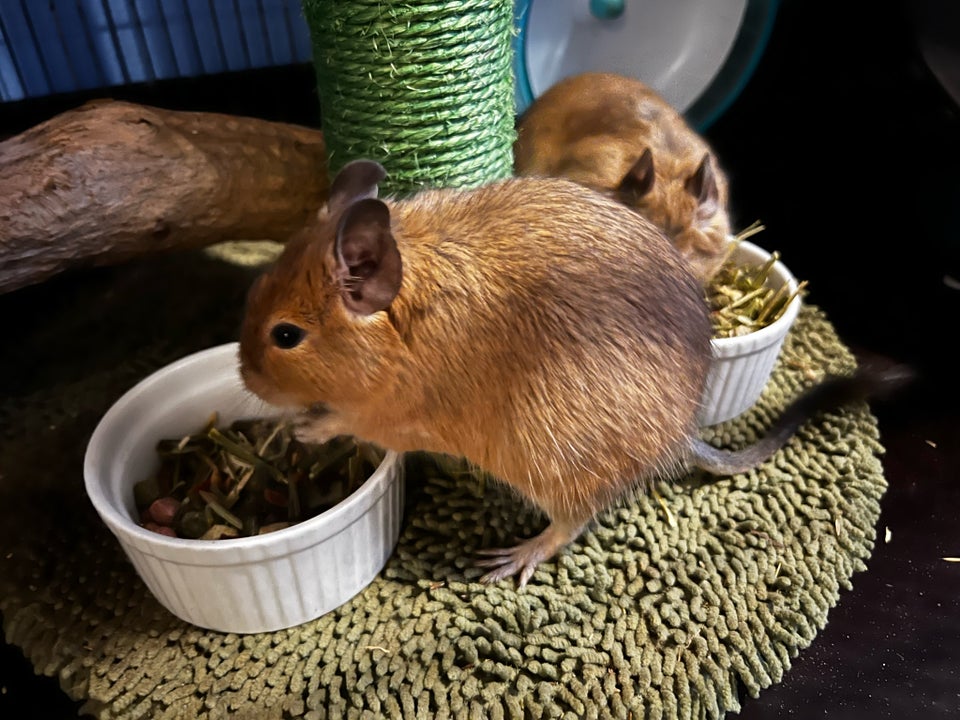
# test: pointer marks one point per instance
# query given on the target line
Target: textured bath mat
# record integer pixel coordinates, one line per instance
(671, 606)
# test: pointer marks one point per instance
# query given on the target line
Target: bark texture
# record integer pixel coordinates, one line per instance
(112, 180)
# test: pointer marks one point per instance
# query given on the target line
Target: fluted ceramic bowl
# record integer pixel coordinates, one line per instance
(742, 365)
(243, 585)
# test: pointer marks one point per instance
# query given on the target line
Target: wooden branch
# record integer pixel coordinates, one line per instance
(112, 180)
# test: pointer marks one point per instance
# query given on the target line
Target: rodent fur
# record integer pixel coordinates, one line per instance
(536, 328)
(617, 135)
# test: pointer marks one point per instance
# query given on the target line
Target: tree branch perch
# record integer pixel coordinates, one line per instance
(110, 181)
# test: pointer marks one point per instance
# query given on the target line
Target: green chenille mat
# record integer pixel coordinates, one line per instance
(676, 605)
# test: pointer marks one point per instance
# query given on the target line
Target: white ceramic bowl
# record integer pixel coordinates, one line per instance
(742, 365)
(243, 585)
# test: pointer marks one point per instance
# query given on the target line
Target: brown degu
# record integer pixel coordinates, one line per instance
(541, 330)
(617, 135)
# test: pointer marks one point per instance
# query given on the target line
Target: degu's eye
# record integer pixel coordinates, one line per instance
(287, 335)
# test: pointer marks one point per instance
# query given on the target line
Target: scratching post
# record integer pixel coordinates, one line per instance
(425, 88)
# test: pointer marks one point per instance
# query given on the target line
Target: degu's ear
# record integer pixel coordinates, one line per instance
(703, 186)
(355, 181)
(639, 178)
(367, 266)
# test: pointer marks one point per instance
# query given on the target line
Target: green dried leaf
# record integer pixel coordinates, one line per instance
(224, 477)
(740, 298)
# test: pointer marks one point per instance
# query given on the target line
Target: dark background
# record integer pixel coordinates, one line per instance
(846, 144)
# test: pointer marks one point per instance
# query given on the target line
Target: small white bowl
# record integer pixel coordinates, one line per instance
(742, 365)
(242, 585)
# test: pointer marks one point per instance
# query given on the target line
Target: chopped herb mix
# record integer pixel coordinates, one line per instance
(740, 299)
(251, 478)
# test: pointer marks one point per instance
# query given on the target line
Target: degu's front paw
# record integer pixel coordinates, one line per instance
(315, 425)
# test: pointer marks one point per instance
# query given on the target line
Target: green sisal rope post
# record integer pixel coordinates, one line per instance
(425, 88)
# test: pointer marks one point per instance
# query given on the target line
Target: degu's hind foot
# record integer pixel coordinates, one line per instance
(522, 559)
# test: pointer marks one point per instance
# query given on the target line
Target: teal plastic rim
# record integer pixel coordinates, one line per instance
(727, 84)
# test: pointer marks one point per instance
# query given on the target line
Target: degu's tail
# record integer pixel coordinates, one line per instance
(866, 383)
